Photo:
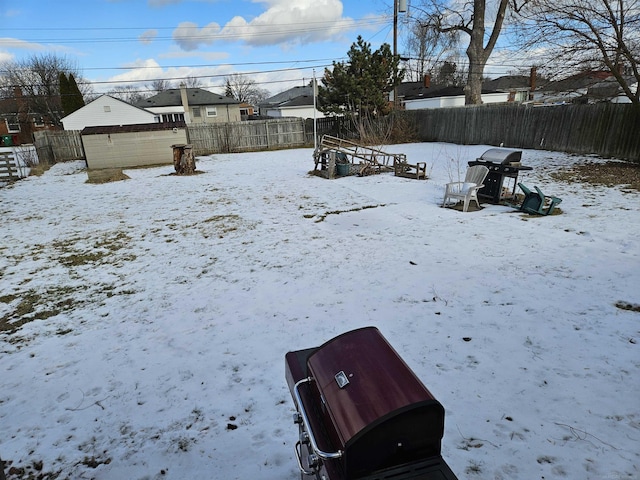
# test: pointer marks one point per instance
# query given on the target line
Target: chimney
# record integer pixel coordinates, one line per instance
(532, 81)
(185, 102)
(427, 81)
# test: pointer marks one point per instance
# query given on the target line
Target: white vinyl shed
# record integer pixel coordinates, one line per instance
(132, 145)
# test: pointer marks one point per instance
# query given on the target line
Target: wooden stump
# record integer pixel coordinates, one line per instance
(184, 162)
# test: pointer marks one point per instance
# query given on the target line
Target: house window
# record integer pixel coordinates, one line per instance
(12, 126)
(107, 108)
(38, 121)
(196, 112)
(172, 117)
(212, 112)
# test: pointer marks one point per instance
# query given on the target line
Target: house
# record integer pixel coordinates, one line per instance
(416, 96)
(584, 87)
(294, 102)
(18, 122)
(518, 87)
(107, 110)
(193, 106)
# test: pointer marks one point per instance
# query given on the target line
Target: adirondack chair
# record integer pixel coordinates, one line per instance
(534, 202)
(467, 190)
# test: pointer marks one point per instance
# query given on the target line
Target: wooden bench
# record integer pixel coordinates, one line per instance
(417, 170)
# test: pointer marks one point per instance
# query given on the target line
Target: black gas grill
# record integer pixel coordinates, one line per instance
(504, 166)
(363, 414)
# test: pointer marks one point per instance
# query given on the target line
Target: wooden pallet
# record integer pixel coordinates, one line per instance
(8, 168)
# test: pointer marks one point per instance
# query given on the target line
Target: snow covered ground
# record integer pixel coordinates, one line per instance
(165, 306)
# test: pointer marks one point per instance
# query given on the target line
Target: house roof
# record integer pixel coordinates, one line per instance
(195, 96)
(139, 127)
(578, 81)
(509, 82)
(300, 101)
(288, 95)
(417, 90)
(74, 113)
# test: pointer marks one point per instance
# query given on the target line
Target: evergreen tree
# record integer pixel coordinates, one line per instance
(362, 84)
(77, 101)
(65, 94)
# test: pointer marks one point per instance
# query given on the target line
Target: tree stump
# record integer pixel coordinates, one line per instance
(184, 162)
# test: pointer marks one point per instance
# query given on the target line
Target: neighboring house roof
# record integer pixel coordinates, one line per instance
(417, 90)
(288, 95)
(195, 96)
(509, 82)
(300, 101)
(99, 99)
(576, 82)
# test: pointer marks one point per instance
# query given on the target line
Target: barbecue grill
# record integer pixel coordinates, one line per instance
(503, 165)
(363, 414)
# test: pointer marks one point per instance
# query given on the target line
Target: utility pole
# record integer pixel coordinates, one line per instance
(398, 6)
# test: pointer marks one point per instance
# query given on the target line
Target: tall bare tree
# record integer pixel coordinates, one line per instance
(244, 89)
(583, 34)
(473, 19)
(426, 47)
(36, 81)
(159, 85)
(127, 93)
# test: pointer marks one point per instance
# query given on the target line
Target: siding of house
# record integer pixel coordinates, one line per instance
(223, 114)
(298, 111)
(106, 110)
(453, 101)
(128, 148)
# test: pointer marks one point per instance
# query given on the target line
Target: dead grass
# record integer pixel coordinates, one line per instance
(106, 175)
(609, 174)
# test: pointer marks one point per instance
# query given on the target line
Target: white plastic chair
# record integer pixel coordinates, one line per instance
(467, 190)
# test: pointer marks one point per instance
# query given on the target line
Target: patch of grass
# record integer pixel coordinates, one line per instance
(106, 175)
(609, 174)
(38, 170)
(36, 305)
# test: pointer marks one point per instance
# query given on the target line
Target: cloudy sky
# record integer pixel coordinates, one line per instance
(275, 41)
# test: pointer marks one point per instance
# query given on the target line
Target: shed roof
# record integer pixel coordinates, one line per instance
(139, 127)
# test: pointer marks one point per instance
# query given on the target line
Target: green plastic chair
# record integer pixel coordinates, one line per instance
(534, 202)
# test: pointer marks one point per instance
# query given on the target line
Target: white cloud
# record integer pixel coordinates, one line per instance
(148, 36)
(283, 22)
(189, 36)
(7, 42)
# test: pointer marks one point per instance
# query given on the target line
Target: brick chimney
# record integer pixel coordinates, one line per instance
(426, 81)
(185, 102)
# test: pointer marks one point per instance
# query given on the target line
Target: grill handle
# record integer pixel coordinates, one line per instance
(307, 424)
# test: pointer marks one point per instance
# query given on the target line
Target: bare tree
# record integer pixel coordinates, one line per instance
(472, 19)
(583, 34)
(127, 93)
(244, 89)
(426, 47)
(192, 82)
(35, 81)
(159, 85)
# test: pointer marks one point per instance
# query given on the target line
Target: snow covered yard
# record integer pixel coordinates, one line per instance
(157, 312)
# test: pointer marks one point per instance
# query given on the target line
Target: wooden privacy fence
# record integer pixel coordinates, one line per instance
(58, 146)
(606, 129)
(247, 136)
(609, 130)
